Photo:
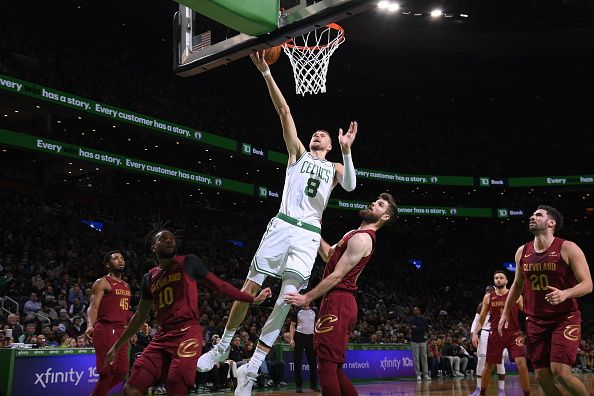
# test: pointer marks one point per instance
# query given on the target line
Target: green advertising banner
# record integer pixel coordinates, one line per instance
(415, 179)
(39, 92)
(404, 210)
(122, 162)
(551, 181)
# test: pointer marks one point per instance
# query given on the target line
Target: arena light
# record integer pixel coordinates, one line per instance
(464, 15)
(393, 7)
(383, 4)
(436, 13)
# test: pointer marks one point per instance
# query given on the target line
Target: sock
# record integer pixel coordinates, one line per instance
(226, 339)
(256, 360)
(501, 385)
(478, 382)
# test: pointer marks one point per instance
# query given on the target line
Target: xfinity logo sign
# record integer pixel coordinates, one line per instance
(59, 377)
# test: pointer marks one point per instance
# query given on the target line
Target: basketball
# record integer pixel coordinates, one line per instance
(271, 55)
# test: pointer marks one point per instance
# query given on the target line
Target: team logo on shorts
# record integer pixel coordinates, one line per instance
(188, 348)
(323, 323)
(572, 332)
(519, 341)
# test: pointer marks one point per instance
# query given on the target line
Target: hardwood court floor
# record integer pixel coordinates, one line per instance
(455, 387)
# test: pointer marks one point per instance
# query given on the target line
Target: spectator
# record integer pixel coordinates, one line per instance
(32, 306)
(419, 326)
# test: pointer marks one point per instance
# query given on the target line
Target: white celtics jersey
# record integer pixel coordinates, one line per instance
(308, 185)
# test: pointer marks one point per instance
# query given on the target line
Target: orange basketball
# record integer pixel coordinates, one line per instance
(272, 54)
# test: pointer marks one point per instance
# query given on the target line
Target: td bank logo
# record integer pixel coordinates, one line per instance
(484, 182)
(246, 148)
(501, 213)
(262, 192)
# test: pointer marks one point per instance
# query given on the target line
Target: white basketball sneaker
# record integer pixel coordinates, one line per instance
(245, 381)
(207, 361)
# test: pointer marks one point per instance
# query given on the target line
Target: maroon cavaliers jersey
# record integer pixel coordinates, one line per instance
(115, 305)
(175, 294)
(496, 304)
(349, 282)
(542, 270)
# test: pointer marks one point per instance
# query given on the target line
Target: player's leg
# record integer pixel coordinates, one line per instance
(346, 386)
(328, 372)
(183, 350)
(501, 375)
(423, 362)
(147, 370)
(481, 354)
(546, 380)
(291, 283)
(336, 320)
(269, 259)
(565, 343)
(109, 376)
(247, 374)
(298, 358)
(524, 374)
(312, 361)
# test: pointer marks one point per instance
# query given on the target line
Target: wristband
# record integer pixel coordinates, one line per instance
(266, 73)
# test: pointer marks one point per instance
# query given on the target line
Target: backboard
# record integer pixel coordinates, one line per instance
(201, 44)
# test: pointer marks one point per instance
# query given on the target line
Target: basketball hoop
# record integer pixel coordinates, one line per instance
(310, 55)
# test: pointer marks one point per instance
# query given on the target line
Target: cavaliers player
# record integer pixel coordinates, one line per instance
(481, 350)
(338, 312)
(550, 274)
(511, 337)
(107, 317)
(172, 287)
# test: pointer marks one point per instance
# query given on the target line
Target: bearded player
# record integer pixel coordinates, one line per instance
(551, 273)
(511, 338)
(172, 287)
(338, 312)
(107, 317)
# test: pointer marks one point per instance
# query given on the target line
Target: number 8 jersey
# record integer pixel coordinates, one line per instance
(308, 184)
(542, 270)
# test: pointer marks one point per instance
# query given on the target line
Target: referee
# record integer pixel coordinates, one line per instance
(301, 338)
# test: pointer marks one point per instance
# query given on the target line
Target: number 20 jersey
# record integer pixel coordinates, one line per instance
(308, 184)
(542, 270)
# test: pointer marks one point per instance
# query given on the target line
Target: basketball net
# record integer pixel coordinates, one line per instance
(310, 55)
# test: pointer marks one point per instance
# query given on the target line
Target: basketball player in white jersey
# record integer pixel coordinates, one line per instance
(290, 244)
(482, 349)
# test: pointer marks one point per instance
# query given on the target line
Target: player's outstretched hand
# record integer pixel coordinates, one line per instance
(109, 358)
(264, 294)
(296, 299)
(346, 139)
(258, 59)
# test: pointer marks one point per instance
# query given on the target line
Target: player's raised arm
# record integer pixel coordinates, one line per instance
(345, 172)
(294, 146)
